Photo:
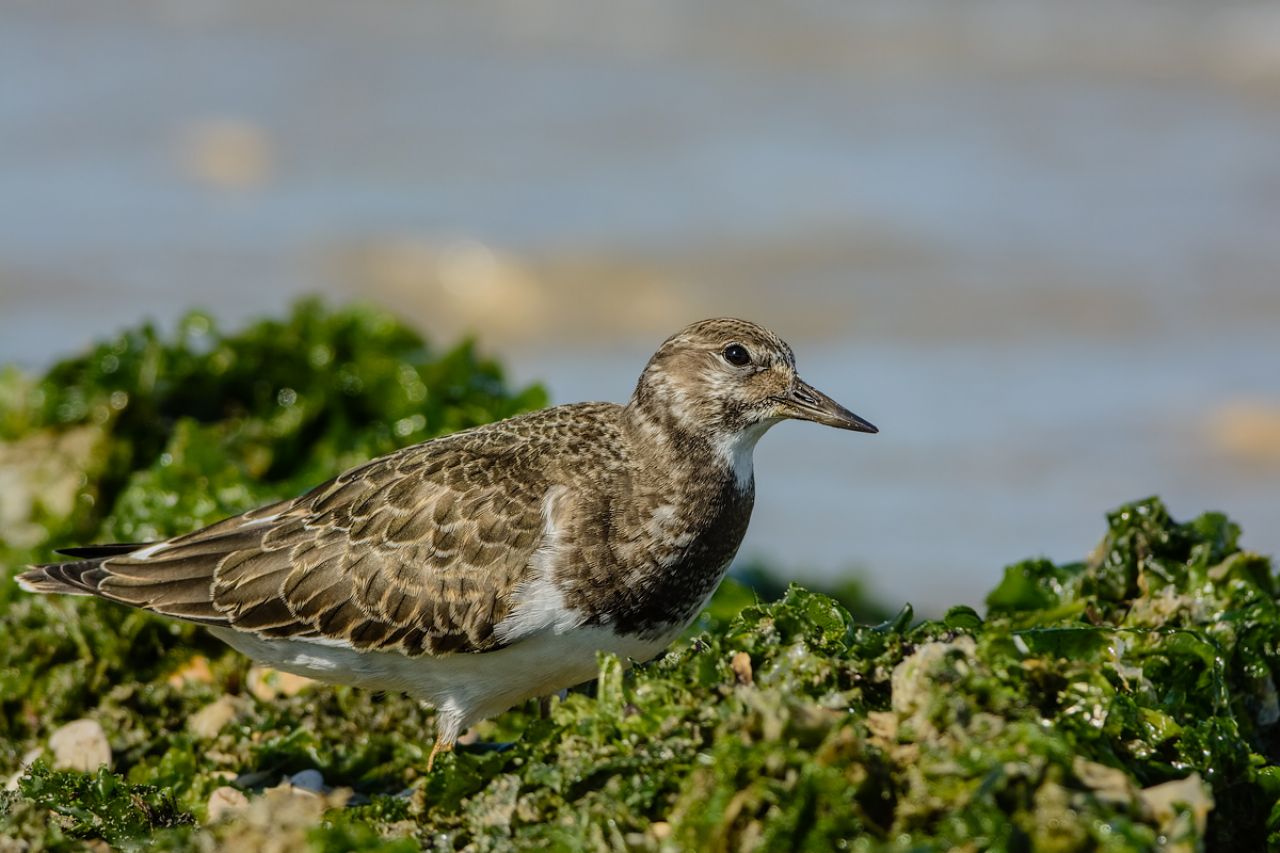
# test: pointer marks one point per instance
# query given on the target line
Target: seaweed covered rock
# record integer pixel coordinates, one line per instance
(146, 436)
(1126, 702)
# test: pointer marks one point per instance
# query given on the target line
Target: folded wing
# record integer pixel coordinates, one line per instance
(417, 552)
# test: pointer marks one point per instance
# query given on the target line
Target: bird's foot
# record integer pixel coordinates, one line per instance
(440, 747)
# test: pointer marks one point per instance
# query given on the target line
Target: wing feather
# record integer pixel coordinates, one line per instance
(418, 552)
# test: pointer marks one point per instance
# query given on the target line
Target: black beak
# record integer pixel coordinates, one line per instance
(806, 403)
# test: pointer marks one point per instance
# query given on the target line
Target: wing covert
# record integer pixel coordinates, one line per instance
(416, 552)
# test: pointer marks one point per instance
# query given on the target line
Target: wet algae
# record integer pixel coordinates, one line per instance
(1126, 702)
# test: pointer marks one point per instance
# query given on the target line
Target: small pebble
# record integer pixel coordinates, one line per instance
(224, 801)
(267, 684)
(741, 665)
(309, 780)
(213, 718)
(81, 745)
(194, 671)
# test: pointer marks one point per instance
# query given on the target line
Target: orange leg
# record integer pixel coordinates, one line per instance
(440, 746)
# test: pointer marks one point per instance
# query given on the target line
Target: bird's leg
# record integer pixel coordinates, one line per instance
(441, 746)
(544, 703)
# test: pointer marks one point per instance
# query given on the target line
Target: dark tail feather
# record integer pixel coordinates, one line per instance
(90, 552)
(185, 598)
(79, 578)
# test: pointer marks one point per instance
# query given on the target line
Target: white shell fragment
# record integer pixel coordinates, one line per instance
(80, 745)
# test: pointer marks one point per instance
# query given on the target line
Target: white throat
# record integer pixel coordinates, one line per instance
(737, 449)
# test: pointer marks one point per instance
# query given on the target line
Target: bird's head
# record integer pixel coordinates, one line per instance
(729, 381)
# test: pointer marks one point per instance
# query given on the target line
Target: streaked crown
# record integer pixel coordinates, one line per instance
(717, 376)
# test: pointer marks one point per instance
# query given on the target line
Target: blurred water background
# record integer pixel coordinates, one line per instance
(1037, 243)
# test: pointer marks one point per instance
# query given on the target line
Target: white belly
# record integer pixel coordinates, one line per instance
(465, 688)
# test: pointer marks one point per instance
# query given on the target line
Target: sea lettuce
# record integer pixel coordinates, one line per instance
(1124, 702)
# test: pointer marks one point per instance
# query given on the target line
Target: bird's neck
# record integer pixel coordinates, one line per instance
(711, 455)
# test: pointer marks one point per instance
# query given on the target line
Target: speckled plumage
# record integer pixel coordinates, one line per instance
(605, 525)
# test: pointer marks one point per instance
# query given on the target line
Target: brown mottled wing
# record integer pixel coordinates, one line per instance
(417, 552)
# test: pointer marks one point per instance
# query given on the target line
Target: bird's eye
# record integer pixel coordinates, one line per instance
(737, 355)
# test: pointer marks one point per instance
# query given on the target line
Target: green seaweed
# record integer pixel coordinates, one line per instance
(1124, 702)
(101, 804)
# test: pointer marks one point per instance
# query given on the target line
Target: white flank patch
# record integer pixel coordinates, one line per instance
(539, 603)
(737, 450)
(315, 663)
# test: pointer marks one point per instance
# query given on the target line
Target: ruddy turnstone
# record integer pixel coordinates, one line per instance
(489, 566)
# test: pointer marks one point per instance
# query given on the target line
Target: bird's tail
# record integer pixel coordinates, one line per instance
(77, 577)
